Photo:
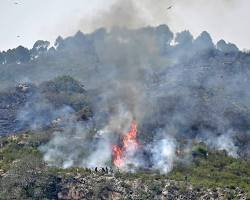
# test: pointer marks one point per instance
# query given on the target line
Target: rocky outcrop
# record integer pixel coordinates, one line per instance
(115, 187)
(176, 190)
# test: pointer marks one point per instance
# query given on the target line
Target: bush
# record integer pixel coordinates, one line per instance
(63, 84)
(28, 178)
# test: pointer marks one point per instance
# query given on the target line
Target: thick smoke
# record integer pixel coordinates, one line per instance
(194, 15)
(186, 91)
(176, 87)
(135, 14)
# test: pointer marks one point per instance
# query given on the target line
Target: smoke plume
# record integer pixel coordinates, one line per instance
(186, 90)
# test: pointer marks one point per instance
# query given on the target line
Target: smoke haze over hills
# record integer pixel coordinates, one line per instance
(177, 89)
(124, 99)
(222, 19)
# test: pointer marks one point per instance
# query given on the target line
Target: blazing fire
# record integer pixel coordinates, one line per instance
(129, 143)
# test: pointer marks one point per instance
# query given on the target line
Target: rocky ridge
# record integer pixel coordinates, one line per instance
(111, 186)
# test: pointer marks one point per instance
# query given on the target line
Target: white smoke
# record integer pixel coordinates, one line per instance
(66, 147)
(163, 153)
(224, 141)
(38, 112)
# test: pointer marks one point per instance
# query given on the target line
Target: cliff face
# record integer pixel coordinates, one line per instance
(115, 187)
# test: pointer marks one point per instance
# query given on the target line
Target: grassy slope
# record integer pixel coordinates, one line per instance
(217, 170)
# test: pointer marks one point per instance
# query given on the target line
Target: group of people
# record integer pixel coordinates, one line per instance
(104, 170)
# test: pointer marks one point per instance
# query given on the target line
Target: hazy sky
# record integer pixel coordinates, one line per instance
(46, 19)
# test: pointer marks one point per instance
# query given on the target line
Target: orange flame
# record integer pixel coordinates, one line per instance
(118, 156)
(130, 143)
(129, 140)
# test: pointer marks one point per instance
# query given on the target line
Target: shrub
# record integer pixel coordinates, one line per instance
(28, 178)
